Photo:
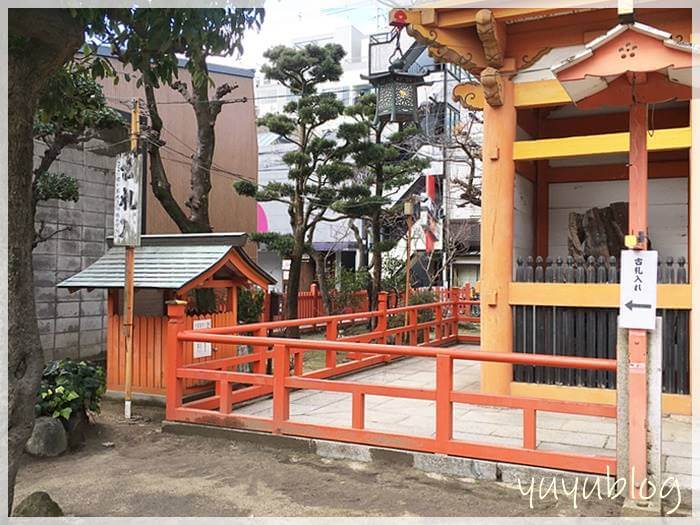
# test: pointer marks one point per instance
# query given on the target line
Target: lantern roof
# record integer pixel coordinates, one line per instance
(394, 73)
(635, 55)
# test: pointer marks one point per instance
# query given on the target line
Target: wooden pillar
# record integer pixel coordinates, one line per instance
(232, 303)
(498, 186)
(637, 339)
(173, 358)
(693, 244)
(112, 350)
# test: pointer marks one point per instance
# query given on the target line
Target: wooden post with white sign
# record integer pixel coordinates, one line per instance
(637, 336)
(127, 225)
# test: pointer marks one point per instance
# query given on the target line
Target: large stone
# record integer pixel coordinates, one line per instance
(37, 504)
(48, 438)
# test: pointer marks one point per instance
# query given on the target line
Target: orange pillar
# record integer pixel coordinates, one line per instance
(638, 338)
(694, 249)
(232, 303)
(498, 186)
(173, 357)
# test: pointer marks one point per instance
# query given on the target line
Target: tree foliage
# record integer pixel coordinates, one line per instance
(73, 103)
(72, 110)
(316, 167)
(276, 242)
(384, 162)
(251, 302)
(345, 285)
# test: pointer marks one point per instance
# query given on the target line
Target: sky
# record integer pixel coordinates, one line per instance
(286, 20)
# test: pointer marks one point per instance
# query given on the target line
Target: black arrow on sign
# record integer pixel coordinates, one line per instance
(630, 304)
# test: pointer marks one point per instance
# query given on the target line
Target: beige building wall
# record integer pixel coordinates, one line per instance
(236, 151)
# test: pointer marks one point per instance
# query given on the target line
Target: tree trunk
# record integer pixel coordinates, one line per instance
(41, 40)
(321, 275)
(376, 262)
(159, 179)
(292, 302)
(200, 179)
(377, 233)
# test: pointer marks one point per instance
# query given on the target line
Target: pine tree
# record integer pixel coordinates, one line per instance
(384, 163)
(317, 171)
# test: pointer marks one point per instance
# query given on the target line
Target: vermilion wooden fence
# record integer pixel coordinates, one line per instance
(413, 338)
(149, 351)
(311, 303)
(149, 342)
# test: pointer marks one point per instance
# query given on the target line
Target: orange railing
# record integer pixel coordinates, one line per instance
(410, 331)
(310, 303)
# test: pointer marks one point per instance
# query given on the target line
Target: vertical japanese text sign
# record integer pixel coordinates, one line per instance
(127, 200)
(638, 289)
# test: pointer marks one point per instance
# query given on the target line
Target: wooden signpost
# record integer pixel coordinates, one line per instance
(127, 233)
(637, 241)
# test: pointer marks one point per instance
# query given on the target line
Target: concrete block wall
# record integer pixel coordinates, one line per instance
(74, 325)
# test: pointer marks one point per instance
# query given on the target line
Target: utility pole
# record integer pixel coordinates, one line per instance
(408, 212)
(128, 313)
(446, 134)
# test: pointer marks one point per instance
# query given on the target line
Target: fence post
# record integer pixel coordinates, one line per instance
(438, 322)
(280, 393)
(455, 313)
(443, 403)
(173, 357)
(382, 319)
(412, 327)
(331, 335)
(259, 365)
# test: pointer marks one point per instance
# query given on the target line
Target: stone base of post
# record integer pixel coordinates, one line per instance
(651, 506)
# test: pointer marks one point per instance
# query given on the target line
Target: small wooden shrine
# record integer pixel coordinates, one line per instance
(168, 267)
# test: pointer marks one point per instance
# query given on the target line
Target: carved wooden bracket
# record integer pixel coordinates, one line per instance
(456, 46)
(492, 83)
(491, 37)
(470, 95)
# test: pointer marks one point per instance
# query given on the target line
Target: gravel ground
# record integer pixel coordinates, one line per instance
(133, 469)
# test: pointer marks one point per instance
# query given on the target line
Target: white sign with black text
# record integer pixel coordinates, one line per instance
(127, 200)
(201, 349)
(638, 289)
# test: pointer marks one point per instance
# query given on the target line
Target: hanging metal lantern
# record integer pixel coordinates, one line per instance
(397, 96)
(395, 86)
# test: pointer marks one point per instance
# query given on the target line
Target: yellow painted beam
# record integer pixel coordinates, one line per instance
(607, 143)
(540, 93)
(670, 403)
(591, 295)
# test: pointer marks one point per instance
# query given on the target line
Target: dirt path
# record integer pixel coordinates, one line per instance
(149, 473)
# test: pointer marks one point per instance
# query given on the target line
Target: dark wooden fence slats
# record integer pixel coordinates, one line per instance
(592, 332)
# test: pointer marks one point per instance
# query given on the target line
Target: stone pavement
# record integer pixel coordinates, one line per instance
(491, 425)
